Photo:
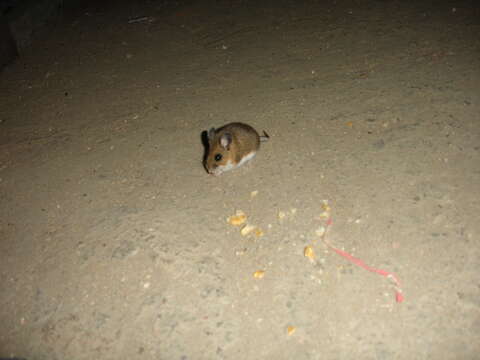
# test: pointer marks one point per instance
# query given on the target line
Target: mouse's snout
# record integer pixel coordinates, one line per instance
(214, 170)
(210, 169)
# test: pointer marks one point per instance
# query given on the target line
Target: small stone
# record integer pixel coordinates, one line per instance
(247, 229)
(324, 215)
(320, 231)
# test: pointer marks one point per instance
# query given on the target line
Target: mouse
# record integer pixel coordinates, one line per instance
(231, 146)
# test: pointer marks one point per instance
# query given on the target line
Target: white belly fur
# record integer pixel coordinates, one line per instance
(229, 165)
(246, 158)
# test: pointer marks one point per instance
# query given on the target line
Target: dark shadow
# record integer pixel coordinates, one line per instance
(8, 47)
(204, 139)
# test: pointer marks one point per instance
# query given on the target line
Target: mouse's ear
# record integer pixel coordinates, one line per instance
(226, 140)
(211, 134)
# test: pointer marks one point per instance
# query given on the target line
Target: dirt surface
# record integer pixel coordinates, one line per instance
(115, 242)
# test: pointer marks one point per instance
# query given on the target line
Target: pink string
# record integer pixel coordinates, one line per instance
(398, 292)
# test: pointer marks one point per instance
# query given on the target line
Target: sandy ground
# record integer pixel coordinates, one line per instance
(114, 240)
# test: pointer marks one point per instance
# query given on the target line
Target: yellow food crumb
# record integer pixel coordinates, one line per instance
(325, 205)
(238, 219)
(259, 274)
(308, 252)
(291, 329)
(258, 232)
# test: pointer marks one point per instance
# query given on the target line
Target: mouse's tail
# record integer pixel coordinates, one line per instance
(264, 137)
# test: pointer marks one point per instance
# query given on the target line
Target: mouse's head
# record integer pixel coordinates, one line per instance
(221, 152)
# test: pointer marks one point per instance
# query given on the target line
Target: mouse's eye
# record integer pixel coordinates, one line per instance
(218, 157)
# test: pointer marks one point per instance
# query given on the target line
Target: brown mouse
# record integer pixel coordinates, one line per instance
(231, 146)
